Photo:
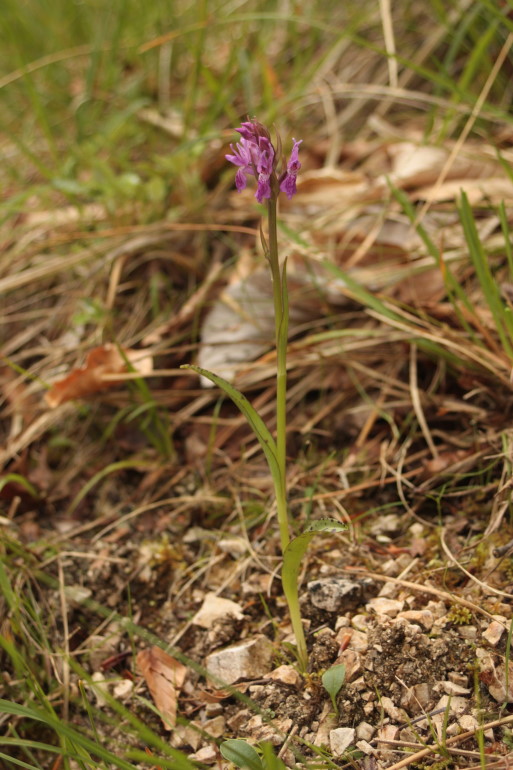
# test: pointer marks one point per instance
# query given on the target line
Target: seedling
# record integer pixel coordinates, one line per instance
(243, 755)
(332, 681)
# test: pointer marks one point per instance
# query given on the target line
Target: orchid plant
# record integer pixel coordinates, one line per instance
(255, 155)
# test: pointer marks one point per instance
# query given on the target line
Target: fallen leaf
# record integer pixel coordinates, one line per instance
(105, 360)
(164, 676)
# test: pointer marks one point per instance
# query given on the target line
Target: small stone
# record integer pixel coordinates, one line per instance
(453, 729)
(327, 723)
(239, 720)
(390, 568)
(417, 699)
(123, 689)
(365, 747)
(250, 659)
(468, 722)
(387, 591)
(285, 675)
(368, 708)
(391, 710)
(215, 727)
(456, 705)
(333, 594)
(340, 740)
(388, 733)
(263, 732)
(359, 641)
(352, 661)
(494, 632)
(450, 688)
(342, 622)
(365, 731)
(207, 754)
(437, 608)
(457, 678)
(468, 632)
(359, 685)
(284, 725)
(213, 710)
(423, 618)
(416, 529)
(215, 608)
(382, 606)
(235, 546)
(183, 735)
(361, 622)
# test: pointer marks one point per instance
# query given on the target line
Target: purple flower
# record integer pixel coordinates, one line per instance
(254, 154)
(241, 157)
(288, 183)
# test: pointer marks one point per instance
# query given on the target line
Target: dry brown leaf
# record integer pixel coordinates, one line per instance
(164, 676)
(494, 189)
(420, 164)
(90, 378)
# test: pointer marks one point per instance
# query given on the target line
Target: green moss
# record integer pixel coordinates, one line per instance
(460, 616)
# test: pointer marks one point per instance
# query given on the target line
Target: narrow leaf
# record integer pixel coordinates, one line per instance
(258, 426)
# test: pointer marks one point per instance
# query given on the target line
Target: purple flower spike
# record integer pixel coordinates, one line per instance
(264, 167)
(254, 154)
(288, 183)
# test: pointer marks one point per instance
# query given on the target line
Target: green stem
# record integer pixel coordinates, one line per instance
(281, 320)
(297, 625)
(291, 551)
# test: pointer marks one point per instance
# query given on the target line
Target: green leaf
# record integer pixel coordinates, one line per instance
(241, 754)
(22, 481)
(6, 590)
(489, 286)
(332, 681)
(258, 426)
(297, 548)
(292, 558)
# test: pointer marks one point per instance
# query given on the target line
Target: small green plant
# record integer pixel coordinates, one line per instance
(460, 616)
(332, 681)
(243, 755)
(255, 155)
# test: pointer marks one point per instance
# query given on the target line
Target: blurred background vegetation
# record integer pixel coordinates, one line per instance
(118, 102)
